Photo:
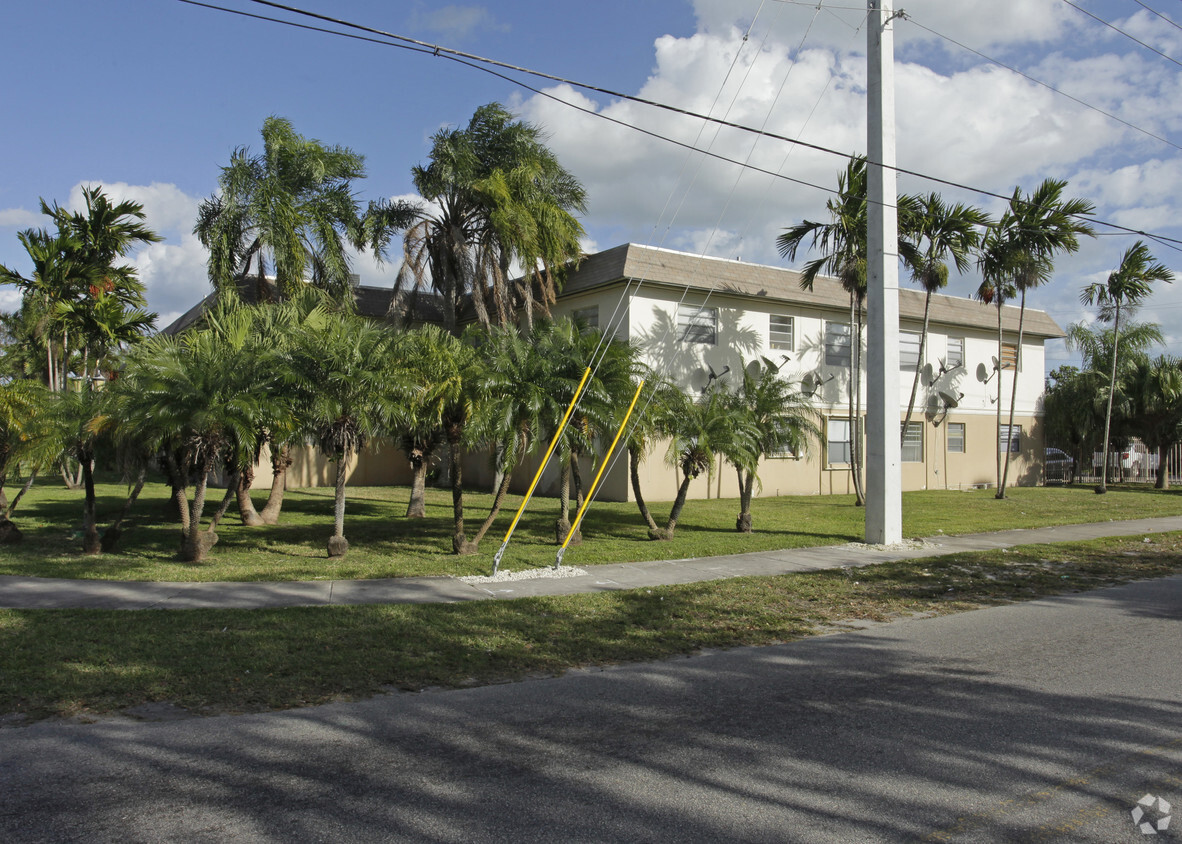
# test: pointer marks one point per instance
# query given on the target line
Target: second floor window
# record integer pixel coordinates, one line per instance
(837, 344)
(955, 353)
(697, 324)
(780, 332)
(908, 350)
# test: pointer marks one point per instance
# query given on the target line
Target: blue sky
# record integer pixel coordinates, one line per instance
(149, 97)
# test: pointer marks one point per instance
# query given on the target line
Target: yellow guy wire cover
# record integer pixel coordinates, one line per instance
(595, 483)
(537, 475)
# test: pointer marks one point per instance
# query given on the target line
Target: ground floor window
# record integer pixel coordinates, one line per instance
(838, 442)
(1009, 438)
(912, 451)
(956, 437)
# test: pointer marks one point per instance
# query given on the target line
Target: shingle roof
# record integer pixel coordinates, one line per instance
(665, 267)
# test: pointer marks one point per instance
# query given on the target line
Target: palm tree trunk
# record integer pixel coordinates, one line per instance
(195, 544)
(998, 372)
(231, 490)
(1001, 490)
(416, 507)
(1163, 472)
(577, 480)
(854, 378)
(1103, 487)
(250, 517)
(675, 510)
(337, 544)
(91, 543)
(180, 498)
(17, 500)
(280, 461)
(746, 487)
(562, 526)
(634, 472)
(923, 340)
(498, 500)
(459, 542)
(856, 422)
(111, 534)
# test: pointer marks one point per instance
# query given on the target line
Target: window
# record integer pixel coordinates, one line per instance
(912, 451)
(837, 344)
(955, 354)
(909, 350)
(697, 324)
(837, 438)
(1013, 436)
(780, 332)
(956, 437)
(589, 316)
(1009, 356)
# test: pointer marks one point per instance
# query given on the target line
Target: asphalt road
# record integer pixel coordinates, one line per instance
(1044, 721)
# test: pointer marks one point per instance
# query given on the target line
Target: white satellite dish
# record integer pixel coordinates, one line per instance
(754, 370)
(927, 375)
(996, 365)
(810, 384)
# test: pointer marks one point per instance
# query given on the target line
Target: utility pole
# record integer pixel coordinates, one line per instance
(884, 504)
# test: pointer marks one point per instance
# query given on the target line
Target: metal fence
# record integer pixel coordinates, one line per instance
(1135, 464)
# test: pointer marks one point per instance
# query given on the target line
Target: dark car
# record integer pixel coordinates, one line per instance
(1059, 466)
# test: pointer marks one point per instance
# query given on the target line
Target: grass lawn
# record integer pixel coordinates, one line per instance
(84, 662)
(385, 544)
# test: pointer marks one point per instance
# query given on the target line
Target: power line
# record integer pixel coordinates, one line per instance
(486, 65)
(1115, 28)
(1159, 14)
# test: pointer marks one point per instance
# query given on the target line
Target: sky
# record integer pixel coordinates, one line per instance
(149, 98)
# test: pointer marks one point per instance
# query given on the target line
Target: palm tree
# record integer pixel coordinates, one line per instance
(1020, 251)
(660, 403)
(842, 244)
(935, 233)
(498, 196)
(290, 213)
(79, 420)
(698, 429)
(1126, 287)
(201, 401)
(1155, 395)
(777, 418)
(27, 443)
(350, 391)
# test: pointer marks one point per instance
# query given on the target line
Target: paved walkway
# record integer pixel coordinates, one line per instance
(51, 593)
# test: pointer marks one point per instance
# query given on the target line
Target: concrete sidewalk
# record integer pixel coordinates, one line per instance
(50, 593)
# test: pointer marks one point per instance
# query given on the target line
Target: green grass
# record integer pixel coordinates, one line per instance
(85, 662)
(385, 544)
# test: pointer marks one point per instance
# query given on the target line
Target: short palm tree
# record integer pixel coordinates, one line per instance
(350, 390)
(1126, 287)
(27, 443)
(658, 403)
(777, 419)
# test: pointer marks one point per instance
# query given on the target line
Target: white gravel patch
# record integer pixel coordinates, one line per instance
(504, 575)
(905, 545)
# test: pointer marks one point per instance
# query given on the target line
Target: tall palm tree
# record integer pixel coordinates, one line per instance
(350, 390)
(497, 197)
(289, 214)
(934, 233)
(1021, 251)
(777, 418)
(1126, 287)
(842, 244)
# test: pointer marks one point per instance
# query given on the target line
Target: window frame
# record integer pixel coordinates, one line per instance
(697, 324)
(1009, 361)
(582, 313)
(949, 360)
(772, 331)
(951, 440)
(914, 430)
(830, 441)
(904, 365)
(1015, 442)
(833, 346)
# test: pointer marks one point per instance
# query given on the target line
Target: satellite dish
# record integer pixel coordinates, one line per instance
(996, 365)
(926, 373)
(754, 370)
(809, 384)
(950, 399)
(983, 374)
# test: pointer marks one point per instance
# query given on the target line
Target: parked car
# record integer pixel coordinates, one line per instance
(1130, 461)
(1059, 466)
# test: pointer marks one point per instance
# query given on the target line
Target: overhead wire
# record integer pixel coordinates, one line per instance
(1117, 29)
(1159, 14)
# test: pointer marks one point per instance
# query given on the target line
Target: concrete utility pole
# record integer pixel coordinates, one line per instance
(884, 506)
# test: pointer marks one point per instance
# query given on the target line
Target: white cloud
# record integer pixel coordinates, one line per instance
(20, 218)
(456, 22)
